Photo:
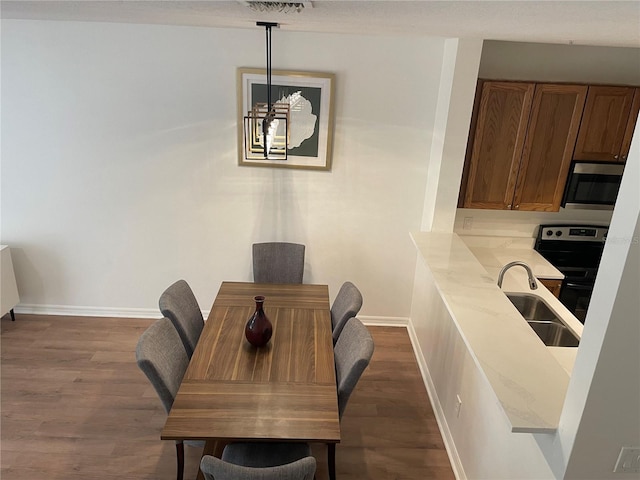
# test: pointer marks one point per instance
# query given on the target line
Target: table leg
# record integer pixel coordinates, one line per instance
(180, 459)
(331, 454)
(13, 315)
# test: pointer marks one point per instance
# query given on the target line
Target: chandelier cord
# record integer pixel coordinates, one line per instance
(269, 121)
(270, 113)
(268, 41)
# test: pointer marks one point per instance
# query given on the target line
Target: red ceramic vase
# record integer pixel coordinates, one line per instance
(258, 329)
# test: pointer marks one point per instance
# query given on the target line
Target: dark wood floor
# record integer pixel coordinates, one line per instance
(75, 406)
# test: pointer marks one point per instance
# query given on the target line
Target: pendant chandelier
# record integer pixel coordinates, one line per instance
(266, 125)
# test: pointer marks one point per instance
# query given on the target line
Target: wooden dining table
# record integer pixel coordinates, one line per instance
(284, 391)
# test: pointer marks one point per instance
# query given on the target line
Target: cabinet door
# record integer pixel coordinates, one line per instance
(497, 144)
(551, 136)
(552, 285)
(631, 126)
(605, 119)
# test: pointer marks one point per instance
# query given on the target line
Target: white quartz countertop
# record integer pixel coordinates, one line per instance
(495, 252)
(529, 379)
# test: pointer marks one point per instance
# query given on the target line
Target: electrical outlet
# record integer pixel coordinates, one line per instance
(628, 460)
(468, 223)
(458, 405)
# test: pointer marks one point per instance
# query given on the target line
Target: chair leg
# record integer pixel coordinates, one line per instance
(180, 459)
(13, 315)
(331, 456)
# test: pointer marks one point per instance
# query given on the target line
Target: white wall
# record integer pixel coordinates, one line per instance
(559, 63)
(547, 63)
(522, 224)
(119, 163)
(453, 115)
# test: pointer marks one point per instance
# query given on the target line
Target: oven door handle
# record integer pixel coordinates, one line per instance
(577, 286)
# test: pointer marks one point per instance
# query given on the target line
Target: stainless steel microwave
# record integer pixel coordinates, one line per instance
(592, 185)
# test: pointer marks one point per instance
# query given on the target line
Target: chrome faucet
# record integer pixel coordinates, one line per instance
(532, 280)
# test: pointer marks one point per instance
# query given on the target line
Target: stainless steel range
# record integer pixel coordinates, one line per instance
(575, 250)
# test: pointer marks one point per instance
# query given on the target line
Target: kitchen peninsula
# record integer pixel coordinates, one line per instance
(529, 380)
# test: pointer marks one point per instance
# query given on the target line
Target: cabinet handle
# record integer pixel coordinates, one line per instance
(615, 156)
(509, 206)
(624, 157)
(517, 206)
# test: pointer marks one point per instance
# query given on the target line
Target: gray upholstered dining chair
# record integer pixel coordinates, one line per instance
(261, 461)
(161, 356)
(179, 304)
(278, 262)
(346, 305)
(352, 352)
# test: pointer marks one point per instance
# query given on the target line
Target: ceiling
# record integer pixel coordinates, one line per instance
(607, 23)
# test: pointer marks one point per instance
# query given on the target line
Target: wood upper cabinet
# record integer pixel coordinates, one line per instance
(522, 145)
(551, 135)
(608, 122)
(631, 126)
(501, 123)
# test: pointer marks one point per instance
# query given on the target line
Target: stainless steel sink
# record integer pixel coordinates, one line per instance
(543, 320)
(554, 334)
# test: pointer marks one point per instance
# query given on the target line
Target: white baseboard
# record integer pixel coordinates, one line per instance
(76, 311)
(384, 321)
(447, 437)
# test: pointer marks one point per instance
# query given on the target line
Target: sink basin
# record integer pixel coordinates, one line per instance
(554, 334)
(532, 307)
(543, 320)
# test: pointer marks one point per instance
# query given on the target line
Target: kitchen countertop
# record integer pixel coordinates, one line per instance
(529, 379)
(495, 252)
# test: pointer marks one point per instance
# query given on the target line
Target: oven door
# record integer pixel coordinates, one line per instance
(576, 296)
(593, 185)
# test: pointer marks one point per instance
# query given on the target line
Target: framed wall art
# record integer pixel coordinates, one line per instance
(310, 117)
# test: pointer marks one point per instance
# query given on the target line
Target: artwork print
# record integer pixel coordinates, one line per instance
(310, 98)
(305, 113)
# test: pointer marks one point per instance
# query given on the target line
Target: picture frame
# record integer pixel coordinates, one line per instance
(311, 121)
